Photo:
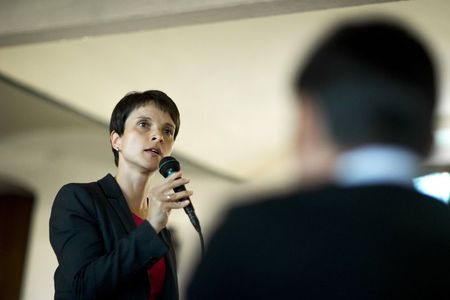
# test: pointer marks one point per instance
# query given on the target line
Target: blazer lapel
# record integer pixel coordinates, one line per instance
(172, 284)
(115, 198)
(166, 237)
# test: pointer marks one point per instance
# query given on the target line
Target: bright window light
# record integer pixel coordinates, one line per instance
(436, 185)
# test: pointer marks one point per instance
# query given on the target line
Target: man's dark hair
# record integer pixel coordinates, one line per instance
(134, 100)
(375, 83)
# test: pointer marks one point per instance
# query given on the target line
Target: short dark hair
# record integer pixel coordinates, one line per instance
(134, 100)
(375, 82)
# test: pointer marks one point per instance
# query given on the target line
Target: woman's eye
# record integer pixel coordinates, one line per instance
(168, 132)
(143, 124)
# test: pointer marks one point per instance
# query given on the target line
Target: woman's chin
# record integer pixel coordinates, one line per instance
(151, 167)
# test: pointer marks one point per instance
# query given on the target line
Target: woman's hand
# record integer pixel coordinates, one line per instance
(162, 200)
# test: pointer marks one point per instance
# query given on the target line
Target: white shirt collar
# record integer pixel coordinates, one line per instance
(377, 164)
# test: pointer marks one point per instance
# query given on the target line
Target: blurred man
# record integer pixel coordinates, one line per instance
(367, 96)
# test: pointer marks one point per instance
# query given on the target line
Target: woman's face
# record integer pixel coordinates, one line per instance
(148, 137)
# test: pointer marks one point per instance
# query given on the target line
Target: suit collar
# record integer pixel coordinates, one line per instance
(110, 187)
(375, 165)
(115, 197)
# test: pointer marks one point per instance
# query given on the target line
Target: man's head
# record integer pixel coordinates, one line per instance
(374, 83)
(135, 100)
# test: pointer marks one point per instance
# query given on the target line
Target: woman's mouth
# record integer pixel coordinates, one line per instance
(154, 150)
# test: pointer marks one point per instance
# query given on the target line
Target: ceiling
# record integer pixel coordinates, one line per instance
(227, 64)
(30, 21)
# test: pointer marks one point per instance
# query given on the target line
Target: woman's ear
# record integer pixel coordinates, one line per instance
(115, 140)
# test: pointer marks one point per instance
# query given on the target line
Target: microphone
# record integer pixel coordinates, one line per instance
(167, 166)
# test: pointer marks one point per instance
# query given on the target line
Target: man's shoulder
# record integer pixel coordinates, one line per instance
(332, 199)
(285, 202)
(295, 194)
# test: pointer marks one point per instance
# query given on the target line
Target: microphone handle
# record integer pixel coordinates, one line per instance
(180, 189)
(189, 209)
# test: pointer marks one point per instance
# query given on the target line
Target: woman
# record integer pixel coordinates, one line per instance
(109, 236)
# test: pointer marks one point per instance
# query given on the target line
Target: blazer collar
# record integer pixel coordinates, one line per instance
(115, 197)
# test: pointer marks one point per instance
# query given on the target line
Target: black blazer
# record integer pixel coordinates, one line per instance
(373, 242)
(101, 253)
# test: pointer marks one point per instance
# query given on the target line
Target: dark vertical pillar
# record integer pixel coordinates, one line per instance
(15, 217)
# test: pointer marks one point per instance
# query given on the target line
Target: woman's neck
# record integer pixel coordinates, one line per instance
(135, 188)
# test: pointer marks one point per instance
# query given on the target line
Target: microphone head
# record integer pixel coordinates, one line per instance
(168, 165)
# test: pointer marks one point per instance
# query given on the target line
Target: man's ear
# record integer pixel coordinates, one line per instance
(115, 140)
(316, 152)
(310, 124)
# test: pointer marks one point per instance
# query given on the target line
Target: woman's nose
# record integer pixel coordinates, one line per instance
(157, 137)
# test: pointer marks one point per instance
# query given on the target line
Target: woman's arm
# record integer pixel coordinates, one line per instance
(77, 240)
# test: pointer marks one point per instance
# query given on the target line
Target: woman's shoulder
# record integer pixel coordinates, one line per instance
(76, 202)
(71, 194)
(75, 188)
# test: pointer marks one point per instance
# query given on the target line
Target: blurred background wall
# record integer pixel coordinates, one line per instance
(227, 64)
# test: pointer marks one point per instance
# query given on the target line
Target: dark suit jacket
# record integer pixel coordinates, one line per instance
(101, 253)
(372, 242)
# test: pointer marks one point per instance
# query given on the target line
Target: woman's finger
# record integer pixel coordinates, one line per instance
(175, 205)
(177, 182)
(177, 196)
(167, 187)
(173, 176)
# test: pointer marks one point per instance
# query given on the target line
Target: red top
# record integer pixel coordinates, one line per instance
(156, 273)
